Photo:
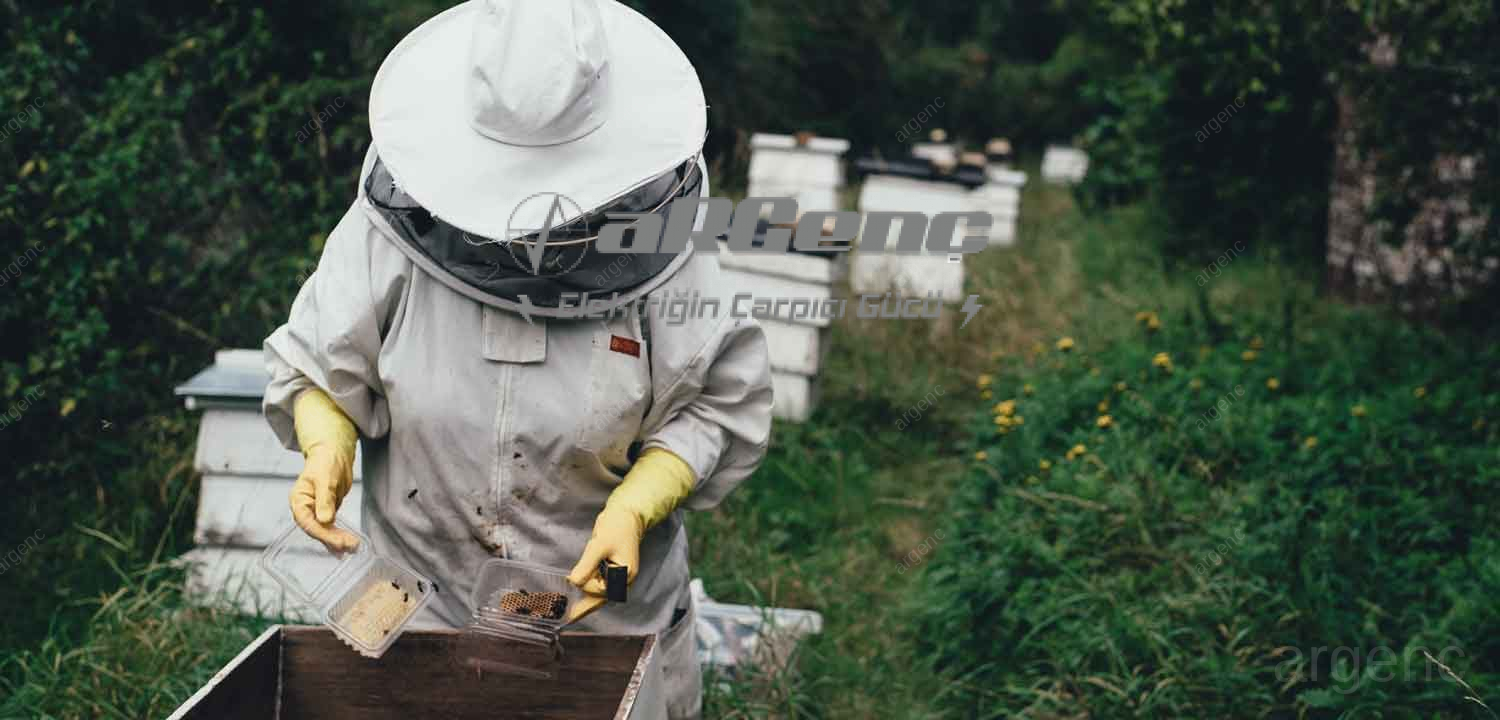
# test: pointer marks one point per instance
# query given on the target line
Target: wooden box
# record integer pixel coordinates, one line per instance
(294, 672)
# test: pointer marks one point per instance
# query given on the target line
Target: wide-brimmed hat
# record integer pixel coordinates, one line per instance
(493, 102)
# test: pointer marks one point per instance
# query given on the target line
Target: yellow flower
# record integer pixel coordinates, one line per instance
(1104, 421)
(1076, 451)
(1311, 442)
(1419, 392)
(1120, 386)
(1273, 383)
(985, 394)
(1027, 389)
(1002, 420)
(985, 380)
(1256, 343)
(1103, 406)
(1141, 316)
(981, 456)
(1005, 407)
(1045, 465)
(1248, 355)
(1153, 323)
(1357, 411)
(1065, 344)
(1163, 361)
(1195, 384)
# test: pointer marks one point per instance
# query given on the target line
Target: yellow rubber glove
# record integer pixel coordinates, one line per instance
(327, 437)
(653, 488)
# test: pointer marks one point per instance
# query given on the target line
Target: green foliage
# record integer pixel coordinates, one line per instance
(1226, 115)
(1246, 502)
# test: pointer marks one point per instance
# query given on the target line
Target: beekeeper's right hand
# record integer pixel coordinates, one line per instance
(327, 437)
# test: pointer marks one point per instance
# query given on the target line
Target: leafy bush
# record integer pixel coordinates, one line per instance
(1226, 115)
(1174, 527)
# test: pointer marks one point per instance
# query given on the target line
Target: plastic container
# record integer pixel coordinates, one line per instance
(519, 611)
(366, 598)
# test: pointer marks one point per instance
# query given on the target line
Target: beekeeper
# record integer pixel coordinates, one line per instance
(503, 132)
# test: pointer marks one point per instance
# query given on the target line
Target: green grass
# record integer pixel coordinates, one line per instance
(1173, 569)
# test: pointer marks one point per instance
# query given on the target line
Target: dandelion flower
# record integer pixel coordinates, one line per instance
(1357, 411)
(1120, 386)
(1065, 344)
(1256, 343)
(1045, 464)
(1195, 384)
(1153, 323)
(981, 456)
(1076, 451)
(1104, 421)
(1311, 442)
(1420, 392)
(1027, 389)
(1141, 316)
(1005, 407)
(985, 380)
(1272, 383)
(1103, 406)
(985, 395)
(1002, 420)
(1248, 355)
(1163, 361)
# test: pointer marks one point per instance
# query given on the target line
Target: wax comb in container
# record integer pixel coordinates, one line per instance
(367, 599)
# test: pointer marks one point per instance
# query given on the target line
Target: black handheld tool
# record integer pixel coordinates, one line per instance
(616, 579)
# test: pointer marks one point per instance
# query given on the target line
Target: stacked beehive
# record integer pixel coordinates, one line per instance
(809, 170)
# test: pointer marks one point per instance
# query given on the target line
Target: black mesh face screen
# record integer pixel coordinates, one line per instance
(569, 263)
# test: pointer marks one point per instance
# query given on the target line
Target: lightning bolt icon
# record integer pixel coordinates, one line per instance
(970, 308)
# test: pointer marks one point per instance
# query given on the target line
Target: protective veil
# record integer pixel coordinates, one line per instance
(513, 433)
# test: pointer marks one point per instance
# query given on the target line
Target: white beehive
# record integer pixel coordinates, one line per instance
(1001, 198)
(809, 172)
(795, 344)
(911, 275)
(1064, 165)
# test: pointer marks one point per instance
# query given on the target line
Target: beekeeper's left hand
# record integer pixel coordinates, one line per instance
(653, 488)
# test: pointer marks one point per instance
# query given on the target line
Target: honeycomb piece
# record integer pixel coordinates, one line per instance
(549, 605)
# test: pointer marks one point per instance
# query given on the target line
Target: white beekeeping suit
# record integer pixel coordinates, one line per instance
(488, 434)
